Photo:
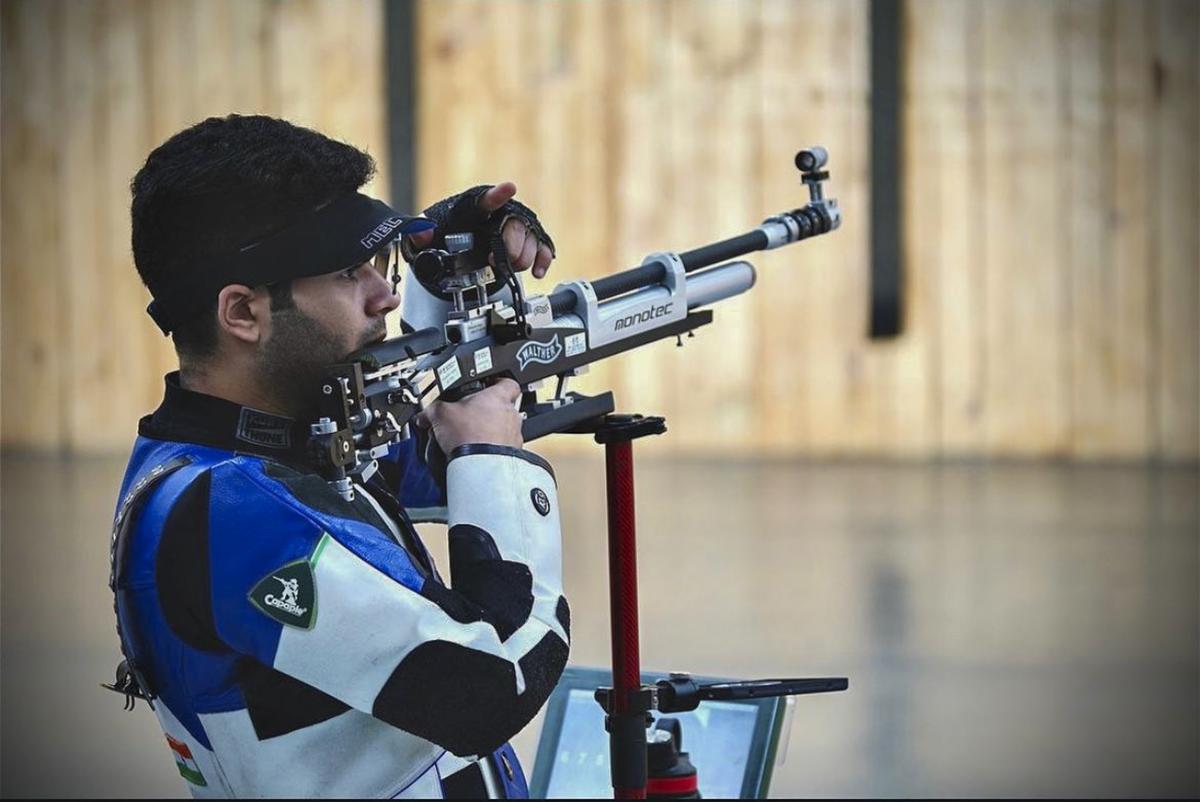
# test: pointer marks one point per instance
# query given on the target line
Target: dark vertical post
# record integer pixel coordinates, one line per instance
(399, 47)
(887, 246)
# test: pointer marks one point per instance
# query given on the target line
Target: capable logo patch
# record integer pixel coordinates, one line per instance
(288, 595)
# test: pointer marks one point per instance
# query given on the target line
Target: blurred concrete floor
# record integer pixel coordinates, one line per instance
(1009, 630)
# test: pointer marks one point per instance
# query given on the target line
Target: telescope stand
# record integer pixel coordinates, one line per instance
(628, 703)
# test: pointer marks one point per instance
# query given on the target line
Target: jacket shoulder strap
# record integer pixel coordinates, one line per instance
(130, 680)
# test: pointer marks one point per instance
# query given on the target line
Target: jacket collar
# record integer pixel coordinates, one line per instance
(192, 417)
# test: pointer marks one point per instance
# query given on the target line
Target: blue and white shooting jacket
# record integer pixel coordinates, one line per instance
(300, 645)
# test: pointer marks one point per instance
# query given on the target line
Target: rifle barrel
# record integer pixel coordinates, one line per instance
(724, 250)
(563, 301)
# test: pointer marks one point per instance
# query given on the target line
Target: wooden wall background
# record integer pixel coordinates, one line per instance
(90, 87)
(1052, 215)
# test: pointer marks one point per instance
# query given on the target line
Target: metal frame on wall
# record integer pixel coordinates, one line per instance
(400, 45)
(887, 164)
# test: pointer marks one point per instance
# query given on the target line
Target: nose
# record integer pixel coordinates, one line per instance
(380, 298)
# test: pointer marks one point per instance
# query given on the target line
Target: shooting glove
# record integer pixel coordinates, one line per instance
(461, 213)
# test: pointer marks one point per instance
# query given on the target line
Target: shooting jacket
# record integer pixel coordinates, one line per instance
(303, 645)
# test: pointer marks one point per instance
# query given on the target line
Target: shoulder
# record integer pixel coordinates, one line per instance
(247, 513)
(194, 500)
(238, 486)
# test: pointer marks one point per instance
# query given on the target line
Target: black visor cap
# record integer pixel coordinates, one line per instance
(343, 233)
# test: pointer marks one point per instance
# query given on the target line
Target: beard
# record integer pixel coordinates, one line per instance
(293, 361)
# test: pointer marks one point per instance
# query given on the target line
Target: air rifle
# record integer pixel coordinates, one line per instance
(368, 401)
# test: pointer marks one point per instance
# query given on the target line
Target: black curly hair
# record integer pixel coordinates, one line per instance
(222, 184)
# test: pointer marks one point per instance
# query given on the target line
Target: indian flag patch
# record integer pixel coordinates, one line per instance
(185, 762)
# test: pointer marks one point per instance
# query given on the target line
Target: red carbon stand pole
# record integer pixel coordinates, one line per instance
(628, 703)
(622, 588)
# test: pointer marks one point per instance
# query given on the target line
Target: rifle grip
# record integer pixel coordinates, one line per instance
(435, 458)
(459, 393)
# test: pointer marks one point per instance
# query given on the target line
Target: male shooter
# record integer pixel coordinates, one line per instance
(295, 643)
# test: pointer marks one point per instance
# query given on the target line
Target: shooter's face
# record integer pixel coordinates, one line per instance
(351, 305)
(332, 316)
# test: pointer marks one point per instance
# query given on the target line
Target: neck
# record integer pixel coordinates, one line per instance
(232, 386)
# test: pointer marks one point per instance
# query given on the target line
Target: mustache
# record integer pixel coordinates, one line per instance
(372, 334)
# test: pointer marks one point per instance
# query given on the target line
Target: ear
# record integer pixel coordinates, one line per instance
(244, 313)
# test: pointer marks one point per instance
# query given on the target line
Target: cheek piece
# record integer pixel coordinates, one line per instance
(345, 232)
